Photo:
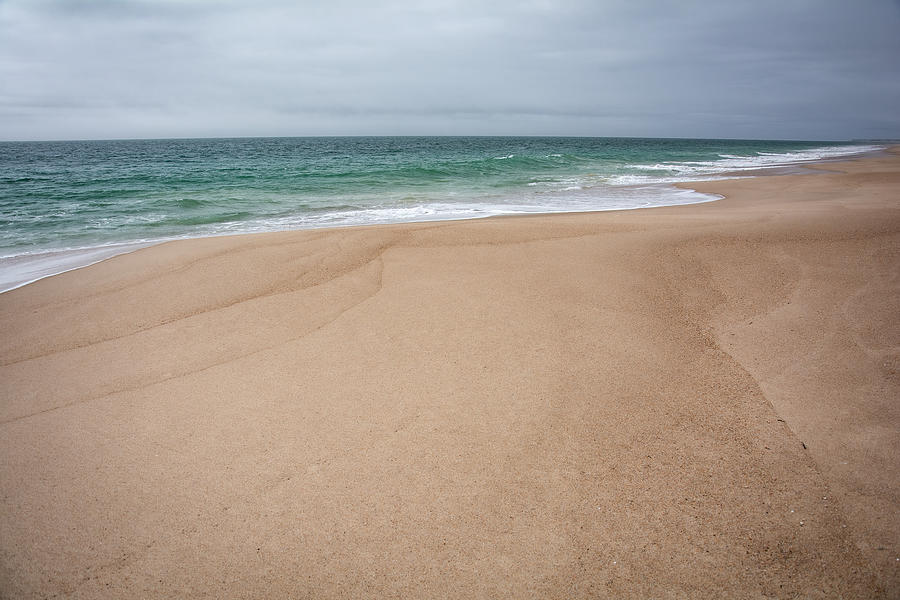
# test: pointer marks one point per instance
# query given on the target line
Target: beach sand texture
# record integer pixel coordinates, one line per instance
(695, 401)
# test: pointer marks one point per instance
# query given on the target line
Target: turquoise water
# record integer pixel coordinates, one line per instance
(83, 200)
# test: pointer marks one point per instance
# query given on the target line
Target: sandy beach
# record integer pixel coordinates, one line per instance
(683, 402)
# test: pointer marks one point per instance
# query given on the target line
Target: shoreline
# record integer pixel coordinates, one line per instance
(690, 401)
(73, 256)
(41, 264)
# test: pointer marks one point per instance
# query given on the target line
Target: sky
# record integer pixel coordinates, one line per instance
(760, 69)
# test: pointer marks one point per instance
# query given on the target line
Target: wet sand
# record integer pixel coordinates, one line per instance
(695, 401)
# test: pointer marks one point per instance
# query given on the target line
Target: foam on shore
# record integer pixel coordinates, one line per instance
(16, 271)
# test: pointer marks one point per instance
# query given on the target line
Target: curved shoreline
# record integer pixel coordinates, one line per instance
(556, 401)
(35, 266)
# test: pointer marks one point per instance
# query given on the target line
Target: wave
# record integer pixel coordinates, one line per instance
(189, 203)
(693, 170)
(156, 198)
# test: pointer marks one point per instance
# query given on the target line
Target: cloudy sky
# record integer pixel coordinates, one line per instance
(794, 69)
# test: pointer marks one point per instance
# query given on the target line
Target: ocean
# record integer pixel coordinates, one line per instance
(64, 205)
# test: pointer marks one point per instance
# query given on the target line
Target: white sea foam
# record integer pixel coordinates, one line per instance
(28, 267)
(729, 164)
(760, 160)
(646, 185)
(20, 269)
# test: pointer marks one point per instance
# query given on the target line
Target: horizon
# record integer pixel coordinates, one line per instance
(599, 137)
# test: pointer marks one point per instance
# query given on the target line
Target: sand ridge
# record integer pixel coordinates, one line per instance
(695, 401)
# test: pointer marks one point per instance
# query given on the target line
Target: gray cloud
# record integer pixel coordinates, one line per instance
(118, 68)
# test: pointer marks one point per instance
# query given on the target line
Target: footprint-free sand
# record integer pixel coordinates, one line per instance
(694, 401)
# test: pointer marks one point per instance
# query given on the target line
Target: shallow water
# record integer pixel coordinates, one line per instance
(62, 202)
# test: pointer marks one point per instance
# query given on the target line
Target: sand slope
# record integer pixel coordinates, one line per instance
(610, 404)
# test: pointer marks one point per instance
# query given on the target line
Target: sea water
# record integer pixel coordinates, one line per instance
(68, 204)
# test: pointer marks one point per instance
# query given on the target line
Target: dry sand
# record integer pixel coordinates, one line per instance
(694, 401)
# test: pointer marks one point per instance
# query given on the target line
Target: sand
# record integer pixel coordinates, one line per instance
(695, 401)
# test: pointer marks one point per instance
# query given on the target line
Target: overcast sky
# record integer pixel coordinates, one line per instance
(793, 69)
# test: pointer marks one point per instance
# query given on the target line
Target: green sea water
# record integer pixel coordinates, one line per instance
(71, 199)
